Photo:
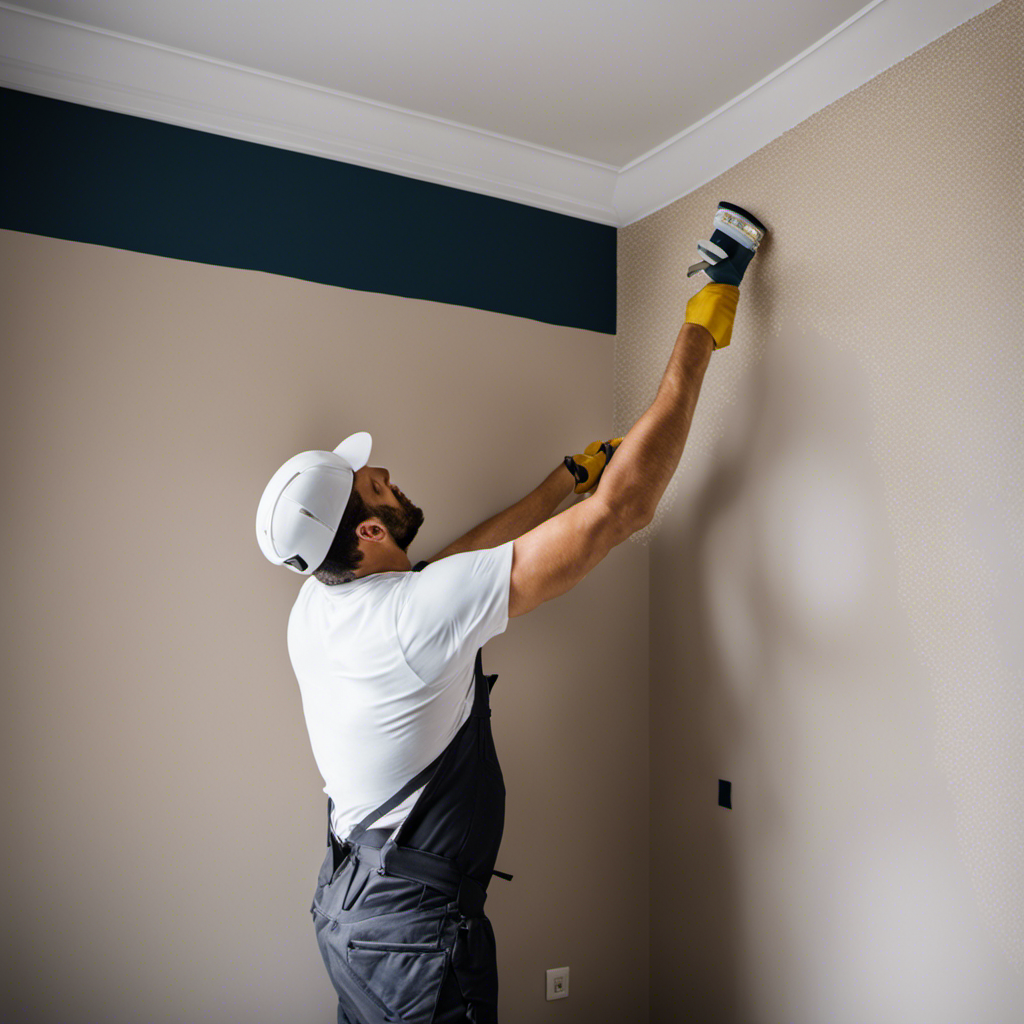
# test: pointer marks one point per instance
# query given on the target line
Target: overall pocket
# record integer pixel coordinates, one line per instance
(406, 977)
(342, 888)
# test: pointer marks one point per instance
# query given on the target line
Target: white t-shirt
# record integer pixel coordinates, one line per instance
(385, 664)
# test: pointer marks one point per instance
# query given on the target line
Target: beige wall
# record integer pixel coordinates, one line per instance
(836, 569)
(166, 819)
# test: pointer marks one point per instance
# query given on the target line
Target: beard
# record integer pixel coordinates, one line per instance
(403, 523)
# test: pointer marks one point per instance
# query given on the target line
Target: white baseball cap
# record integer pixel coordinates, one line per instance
(302, 505)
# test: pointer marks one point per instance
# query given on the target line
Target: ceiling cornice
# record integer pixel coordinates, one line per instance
(67, 61)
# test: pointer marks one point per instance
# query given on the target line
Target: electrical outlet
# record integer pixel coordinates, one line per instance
(558, 983)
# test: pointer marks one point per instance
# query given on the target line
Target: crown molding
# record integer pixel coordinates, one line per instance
(878, 36)
(58, 58)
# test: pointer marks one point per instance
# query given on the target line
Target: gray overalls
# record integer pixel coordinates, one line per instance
(400, 921)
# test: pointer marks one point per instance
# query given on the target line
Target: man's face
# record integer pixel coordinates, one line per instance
(402, 518)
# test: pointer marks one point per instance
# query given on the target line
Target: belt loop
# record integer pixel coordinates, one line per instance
(384, 851)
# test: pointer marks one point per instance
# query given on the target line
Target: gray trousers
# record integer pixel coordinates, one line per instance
(391, 946)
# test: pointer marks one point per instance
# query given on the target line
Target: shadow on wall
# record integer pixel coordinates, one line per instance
(783, 621)
(796, 514)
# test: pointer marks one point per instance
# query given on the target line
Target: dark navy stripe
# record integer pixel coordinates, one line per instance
(76, 172)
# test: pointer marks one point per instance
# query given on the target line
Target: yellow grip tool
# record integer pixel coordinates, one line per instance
(589, 464)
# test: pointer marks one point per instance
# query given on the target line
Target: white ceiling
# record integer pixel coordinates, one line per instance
(603, 80)
(548, 102)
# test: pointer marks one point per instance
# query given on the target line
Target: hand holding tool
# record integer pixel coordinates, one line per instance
(732, 246)
(589, 464)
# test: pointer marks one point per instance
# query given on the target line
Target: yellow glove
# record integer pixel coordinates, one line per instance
(589, 464)
(714, 307)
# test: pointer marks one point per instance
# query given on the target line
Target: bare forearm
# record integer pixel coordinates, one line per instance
(635, 479)
(539, 505)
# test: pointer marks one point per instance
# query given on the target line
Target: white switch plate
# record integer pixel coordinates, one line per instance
(558, 983)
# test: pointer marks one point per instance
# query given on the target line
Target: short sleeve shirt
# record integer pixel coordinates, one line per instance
(385, 666)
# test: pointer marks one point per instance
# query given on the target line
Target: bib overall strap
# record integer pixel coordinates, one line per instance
(484, 685)
(410, 787)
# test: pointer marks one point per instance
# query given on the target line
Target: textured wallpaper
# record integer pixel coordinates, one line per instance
(837, 565)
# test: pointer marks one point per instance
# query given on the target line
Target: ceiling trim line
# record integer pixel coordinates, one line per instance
(58, 58)
(81, 64)
(870, 42)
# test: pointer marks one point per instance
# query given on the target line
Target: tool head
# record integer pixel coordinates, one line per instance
(739, 224)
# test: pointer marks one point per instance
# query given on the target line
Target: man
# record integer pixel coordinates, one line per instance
(388, 660)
